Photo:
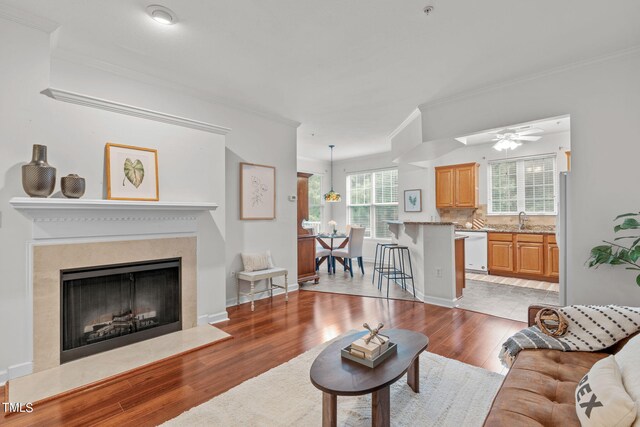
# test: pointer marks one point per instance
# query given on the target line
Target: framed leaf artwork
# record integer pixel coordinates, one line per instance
(413, 200)
(132, 173)
(257, 191)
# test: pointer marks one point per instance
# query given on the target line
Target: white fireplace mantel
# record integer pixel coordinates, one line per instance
(55, 218)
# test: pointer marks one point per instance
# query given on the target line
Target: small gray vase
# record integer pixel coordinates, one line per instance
(72, 186)
(38, 177)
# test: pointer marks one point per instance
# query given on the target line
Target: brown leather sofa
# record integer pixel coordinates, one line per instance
(540, 387)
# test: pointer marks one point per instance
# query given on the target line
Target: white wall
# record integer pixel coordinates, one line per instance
(603, 99)
(346, 167)
(194, 166)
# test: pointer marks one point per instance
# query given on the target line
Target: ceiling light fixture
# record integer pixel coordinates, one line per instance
(162, 15)
(332, 196)
(506, 144)
(427, 10)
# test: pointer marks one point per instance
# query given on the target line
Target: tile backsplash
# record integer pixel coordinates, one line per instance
(462, 216)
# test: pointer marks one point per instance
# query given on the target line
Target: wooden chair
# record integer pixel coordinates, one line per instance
(352, 250)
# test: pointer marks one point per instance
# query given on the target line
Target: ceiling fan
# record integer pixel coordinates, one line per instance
(512, 138)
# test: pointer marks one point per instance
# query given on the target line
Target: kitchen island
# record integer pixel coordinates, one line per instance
(439, 279)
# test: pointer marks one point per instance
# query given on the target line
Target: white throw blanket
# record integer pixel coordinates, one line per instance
(590, 328)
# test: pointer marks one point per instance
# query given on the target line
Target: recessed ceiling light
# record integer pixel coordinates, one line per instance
(162, 15)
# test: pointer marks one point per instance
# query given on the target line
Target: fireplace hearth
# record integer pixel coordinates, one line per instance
(106, 307)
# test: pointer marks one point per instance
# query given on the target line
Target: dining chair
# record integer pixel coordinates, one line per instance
(352, 250)
(324, 252)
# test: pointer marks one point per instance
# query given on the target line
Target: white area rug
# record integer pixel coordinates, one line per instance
(452, 394)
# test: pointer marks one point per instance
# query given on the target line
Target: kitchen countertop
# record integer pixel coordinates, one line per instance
(420, 223)
(539, 229)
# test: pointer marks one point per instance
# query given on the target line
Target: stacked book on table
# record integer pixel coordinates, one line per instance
(363, 350)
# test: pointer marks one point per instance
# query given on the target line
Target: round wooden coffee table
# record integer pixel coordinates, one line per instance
(336, 376)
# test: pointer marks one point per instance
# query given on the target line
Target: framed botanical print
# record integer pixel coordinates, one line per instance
(257, 191)
(132, 173)
(413, 200)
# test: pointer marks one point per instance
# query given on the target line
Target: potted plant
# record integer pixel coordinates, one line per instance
(613, 253)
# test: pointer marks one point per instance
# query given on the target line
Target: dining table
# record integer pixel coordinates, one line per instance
(322, 237)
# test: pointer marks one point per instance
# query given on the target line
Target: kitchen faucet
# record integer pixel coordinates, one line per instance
(522, 217)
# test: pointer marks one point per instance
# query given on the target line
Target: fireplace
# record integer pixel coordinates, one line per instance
(106, 307)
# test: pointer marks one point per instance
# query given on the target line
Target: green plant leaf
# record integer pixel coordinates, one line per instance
(628, 224)
(626, 215)
(134, 171)
(638, 279)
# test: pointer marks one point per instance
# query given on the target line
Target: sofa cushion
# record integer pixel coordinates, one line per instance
(628, 360)
(539, 390)
(256, 262)
(601, 399)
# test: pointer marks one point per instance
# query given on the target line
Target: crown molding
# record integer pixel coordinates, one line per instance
(130, 110)
(28, 19)
(529, 77)
(415, 113)
(145, 77)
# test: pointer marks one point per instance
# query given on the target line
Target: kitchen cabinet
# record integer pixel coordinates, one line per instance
(553, 258)
(457, 186)
(444, 187)
(525, 255)
(500, 256)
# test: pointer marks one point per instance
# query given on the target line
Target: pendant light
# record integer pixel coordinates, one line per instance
(332, 196)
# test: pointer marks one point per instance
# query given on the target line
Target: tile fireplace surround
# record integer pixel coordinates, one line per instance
(48, 260)
(81, 233)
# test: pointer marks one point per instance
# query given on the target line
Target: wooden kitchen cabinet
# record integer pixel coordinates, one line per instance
(553, 258)
(444, 187)
(530, 256)
(500, 257)
(457, 186)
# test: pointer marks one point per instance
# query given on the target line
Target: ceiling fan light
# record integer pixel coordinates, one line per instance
(506, 144)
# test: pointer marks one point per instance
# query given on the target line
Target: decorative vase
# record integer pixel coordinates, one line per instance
(72, 186)
(38, 177)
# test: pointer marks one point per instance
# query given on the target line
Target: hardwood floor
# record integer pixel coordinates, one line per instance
(268, 337)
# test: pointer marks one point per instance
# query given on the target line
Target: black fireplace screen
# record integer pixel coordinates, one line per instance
(108, 307)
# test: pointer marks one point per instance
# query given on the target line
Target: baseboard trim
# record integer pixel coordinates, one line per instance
(15, 371)
(213, 318)
(442, 302)
(243, 299)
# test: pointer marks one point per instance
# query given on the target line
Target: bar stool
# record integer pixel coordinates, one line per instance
(398, 271)
(378, 260)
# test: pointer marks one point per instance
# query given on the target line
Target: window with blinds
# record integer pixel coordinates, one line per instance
(527, 184)
(372, 199)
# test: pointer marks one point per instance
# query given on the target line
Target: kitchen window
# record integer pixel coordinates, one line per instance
(526, 184)
(372, 199)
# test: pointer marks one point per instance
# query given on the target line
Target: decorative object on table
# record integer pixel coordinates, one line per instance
(332, 196)
(332, 224)
(257, 191)
(38, 177)
(615, 324)
(72, 186)
(551, 322)
(413, 200)
(617, 254)
(132, 173)
(370, 350)
(468, 225)
(478, 223)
